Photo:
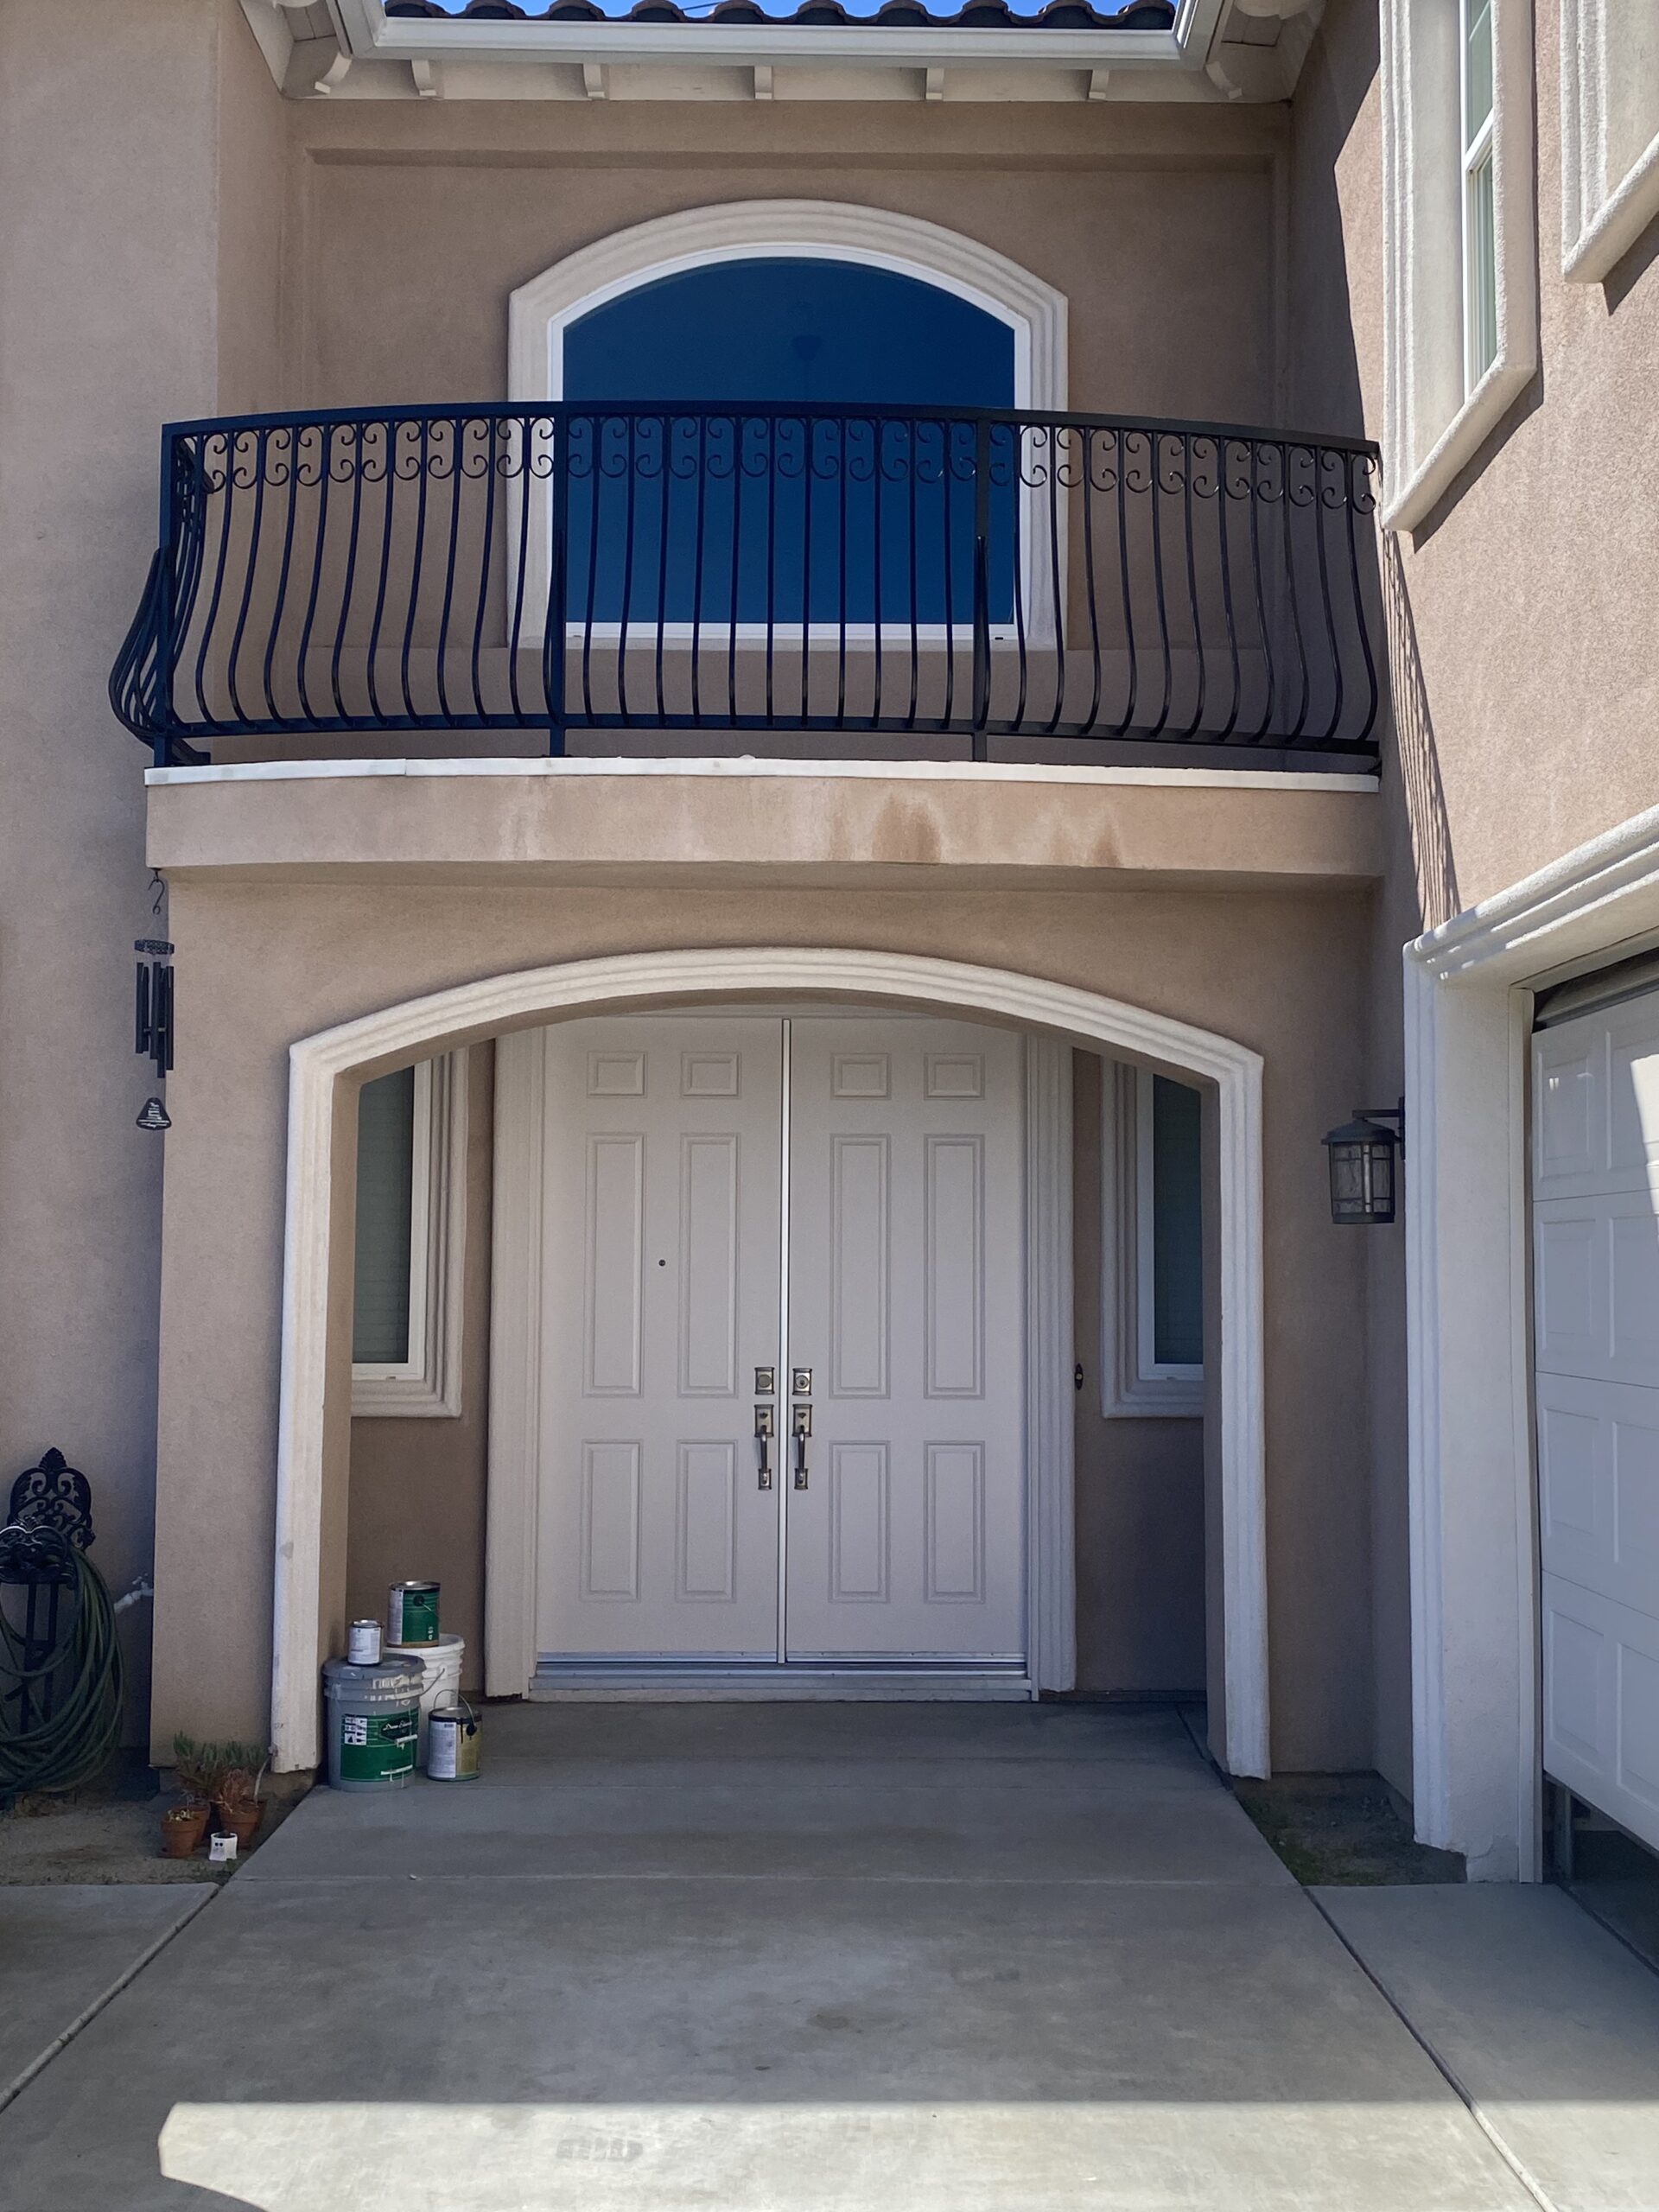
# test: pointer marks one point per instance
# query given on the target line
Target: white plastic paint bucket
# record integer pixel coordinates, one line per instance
(454, 1749)
(442, 1662)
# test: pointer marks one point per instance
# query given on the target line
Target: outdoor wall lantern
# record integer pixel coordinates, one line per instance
(1362, 1157)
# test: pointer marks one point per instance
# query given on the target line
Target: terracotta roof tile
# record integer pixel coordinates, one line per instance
(972, 14)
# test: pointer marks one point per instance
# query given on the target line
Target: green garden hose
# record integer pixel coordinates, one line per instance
(79, 1684)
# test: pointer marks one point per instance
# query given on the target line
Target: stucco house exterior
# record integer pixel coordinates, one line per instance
(813, 694)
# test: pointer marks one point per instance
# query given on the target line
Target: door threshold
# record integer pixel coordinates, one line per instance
(562, 1684)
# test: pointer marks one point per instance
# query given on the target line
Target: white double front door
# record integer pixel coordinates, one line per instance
(811, 1223)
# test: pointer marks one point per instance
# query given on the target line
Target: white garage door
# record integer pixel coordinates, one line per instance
(1596, 1322)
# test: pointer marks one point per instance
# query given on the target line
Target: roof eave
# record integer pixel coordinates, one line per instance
(368, 35)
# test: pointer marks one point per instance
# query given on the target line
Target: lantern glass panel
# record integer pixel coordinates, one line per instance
(1362, 1179)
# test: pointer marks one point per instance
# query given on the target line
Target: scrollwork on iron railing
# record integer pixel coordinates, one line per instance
(932, 575)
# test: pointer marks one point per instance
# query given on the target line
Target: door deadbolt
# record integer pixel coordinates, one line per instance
(765, 1382)
(800, 1381)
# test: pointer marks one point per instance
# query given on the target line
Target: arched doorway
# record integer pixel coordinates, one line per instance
(1230, 1074)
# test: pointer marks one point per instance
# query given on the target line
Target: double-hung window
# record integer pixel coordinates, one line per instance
(411, 1145)
(1460, 286)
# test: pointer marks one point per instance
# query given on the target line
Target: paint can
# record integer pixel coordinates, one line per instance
(362, 1643)
(442, 1663)
(221, 1850)
(373, 1730)
(412, 1613)
(452, 1744)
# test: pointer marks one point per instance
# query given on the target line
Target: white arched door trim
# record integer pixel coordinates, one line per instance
(541, 311)
(828, 230)
(472, 1011)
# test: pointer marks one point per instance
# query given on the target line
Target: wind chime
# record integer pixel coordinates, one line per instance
(152, 1032)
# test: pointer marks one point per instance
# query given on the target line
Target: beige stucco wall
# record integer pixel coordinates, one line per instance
(111, 144)
(268, 954)
(412, 221)
(1525, 693)
(180, 241)
(1533, 587)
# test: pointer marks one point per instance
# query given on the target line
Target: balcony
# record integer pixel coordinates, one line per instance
(886, 583)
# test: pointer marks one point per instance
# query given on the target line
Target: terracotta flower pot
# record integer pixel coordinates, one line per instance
(182, 1829)
(241, 1820)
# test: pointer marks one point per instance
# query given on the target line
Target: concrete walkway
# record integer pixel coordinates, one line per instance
(842, 1959)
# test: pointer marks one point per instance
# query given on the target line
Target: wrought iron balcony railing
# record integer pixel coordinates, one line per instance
(938, 578)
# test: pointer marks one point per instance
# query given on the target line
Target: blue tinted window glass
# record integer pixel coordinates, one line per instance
(811, 331)
(1176, 1224)
(783, 519)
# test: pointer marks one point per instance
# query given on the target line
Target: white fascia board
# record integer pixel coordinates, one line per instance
(371, 35)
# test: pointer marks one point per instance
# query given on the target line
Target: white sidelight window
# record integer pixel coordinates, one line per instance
(1151, 1244)
(1459, 223)
(411, 1178)
(1610, 131)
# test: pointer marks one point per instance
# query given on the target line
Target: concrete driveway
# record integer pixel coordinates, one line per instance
(842, 1959)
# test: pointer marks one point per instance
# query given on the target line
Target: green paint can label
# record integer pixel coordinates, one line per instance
(412, 1613)
(376, 1747)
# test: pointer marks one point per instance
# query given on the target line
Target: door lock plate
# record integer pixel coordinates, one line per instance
(765, 1382)
(800, 1421)
(800, 1381)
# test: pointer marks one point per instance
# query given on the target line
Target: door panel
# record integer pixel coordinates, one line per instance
(1596, 1329)
(907, 1301)
(662, 1241)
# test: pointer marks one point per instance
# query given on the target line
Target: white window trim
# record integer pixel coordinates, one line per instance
(541, 311)
(1133, 1385)
(428, 1384)
(1602, 217)
(1423, 290)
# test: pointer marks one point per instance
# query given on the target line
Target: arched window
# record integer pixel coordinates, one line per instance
(842, 453)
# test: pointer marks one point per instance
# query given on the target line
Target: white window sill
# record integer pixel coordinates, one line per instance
(402, 1397)
(1459, 443)
(1153, 1398)
(1618, 223)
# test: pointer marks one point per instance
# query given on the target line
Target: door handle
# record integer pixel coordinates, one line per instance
(764, 1429)
(800, 1427)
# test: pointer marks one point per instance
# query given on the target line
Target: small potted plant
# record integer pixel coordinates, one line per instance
(195, 1768)
(236, 1797)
